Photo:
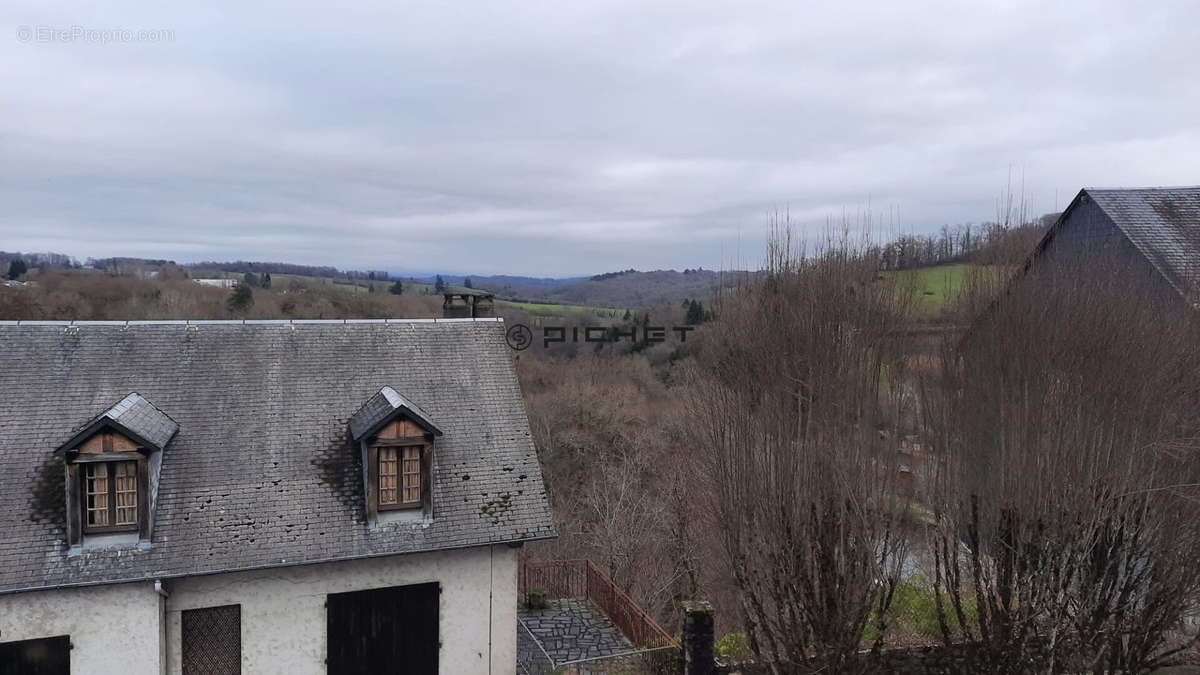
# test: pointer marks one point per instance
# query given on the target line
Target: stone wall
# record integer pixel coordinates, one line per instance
(935, 660)
(283, 609)
(113, 629)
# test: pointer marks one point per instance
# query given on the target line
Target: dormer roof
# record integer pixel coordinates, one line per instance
(383, 407)
(133, 416)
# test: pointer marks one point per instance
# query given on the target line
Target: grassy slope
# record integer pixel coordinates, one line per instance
(633, 290)
(347, 285)
(415, 287)
(547, 307)
(935, 287)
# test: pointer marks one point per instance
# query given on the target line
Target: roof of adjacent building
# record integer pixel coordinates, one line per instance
(263, 470)
(134, 416)
(1163, 223)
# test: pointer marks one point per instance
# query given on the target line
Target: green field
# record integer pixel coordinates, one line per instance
(935, 287)
(551, 308)
(347, 285)
(279, 281)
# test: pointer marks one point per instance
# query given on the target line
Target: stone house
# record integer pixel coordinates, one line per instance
(263, 497)
(217, 283)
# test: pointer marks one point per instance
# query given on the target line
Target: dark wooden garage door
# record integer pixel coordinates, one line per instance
(384, 630)
(45, 656)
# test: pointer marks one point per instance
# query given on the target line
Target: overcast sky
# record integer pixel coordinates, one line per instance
(563, 138)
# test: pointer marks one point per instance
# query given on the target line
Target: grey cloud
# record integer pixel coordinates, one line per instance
(571, 138)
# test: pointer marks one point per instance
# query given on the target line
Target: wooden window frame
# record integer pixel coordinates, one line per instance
(400, 445)
(403, 457)
(111, 469)
(76, 501)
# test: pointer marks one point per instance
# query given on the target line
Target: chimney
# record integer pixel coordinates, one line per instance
(469, 305)
(697, 638)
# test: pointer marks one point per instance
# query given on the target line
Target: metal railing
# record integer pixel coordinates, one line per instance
(532, 658)
(582, 579)
(653, 661)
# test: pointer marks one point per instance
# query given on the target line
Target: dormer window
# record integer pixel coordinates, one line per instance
(112, 465)
(400, 457)
(396, 441)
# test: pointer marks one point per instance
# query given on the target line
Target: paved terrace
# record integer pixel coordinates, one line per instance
(569, 629)
(588, 618)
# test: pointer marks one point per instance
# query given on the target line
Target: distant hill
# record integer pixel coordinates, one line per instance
(625, 289)
(259, 267)
(496, 282)
(622, 289)
(34, 259)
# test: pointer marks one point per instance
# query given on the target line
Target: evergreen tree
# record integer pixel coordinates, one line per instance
(639, 345)
(249, 279)
(628, 316)
(241, 298)
(265, 282)
(695, 313)
(396, 288)
(16, 268)
(467, 282)
(439, 284)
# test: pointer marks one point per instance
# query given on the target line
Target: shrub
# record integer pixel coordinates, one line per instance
(914, 609)
(733, 647)
(241, 298)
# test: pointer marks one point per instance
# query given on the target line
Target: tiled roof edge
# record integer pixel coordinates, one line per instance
(247, 322)
(1122, 226)
(1151, 188)
(553, 534)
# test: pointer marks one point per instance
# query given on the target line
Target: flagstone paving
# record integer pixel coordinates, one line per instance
(570, 629)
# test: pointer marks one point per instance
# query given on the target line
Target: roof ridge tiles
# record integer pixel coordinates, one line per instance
(1139, 189)
(246, 322)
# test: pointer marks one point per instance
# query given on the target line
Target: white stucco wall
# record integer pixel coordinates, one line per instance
(113, 629)
(283, 609)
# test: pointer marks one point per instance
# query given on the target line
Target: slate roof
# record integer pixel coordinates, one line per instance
(381, 408)
(262, 471)
(1164, 224)
(136, 417)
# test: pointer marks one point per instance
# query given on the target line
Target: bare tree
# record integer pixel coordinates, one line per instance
(621, 509)
(1069, 429)
(787, 405)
